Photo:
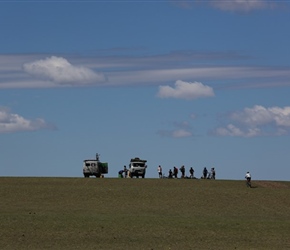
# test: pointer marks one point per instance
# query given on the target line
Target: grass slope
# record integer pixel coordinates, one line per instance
(82, 213)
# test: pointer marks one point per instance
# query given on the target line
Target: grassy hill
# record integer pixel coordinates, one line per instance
(82, 213)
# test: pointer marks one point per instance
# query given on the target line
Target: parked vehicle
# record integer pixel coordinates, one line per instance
(137, 167)
(94, 167)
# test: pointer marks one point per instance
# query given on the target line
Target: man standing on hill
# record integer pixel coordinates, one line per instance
(248, 178)
(175, 172)
(204, 173)
(191, 171)
(213, 173)
(159, 169)
(182, 170)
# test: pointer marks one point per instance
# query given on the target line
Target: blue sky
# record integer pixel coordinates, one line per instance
(194, 83)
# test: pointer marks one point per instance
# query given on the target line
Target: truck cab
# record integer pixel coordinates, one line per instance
(94, 167)
(137, 167)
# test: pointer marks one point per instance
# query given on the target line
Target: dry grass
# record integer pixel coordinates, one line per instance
(79, 213)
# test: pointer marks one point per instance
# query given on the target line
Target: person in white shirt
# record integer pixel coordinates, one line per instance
(248, 178)
(159, 169)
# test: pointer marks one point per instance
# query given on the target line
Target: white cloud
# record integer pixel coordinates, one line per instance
(134, 71)
(60, 71)
(232, 5)
(185, 90)
(181, 130)
(257, 121)
(181, 133)
(10, 123)
(177, 133)
(232, 130)
(241, 5)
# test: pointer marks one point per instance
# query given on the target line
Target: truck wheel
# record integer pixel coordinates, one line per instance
(86, 176)
(143, 176)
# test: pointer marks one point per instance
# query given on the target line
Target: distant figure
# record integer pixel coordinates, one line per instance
(191, 171)
(204, 173)
(170, 174)
(182, 170)
(209, 175)
(213, 173)
(175, 172)
(125, 171)
(121, 173)
(248, 178)
(159, 170)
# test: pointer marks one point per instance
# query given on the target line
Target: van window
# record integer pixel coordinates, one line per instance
(138, 165)
(87, 164)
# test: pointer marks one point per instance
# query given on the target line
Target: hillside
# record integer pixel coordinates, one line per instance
(82, 213)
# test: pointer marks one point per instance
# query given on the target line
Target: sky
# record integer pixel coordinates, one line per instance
(193, 83)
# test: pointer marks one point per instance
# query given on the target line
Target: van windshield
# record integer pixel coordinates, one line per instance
(141, 165)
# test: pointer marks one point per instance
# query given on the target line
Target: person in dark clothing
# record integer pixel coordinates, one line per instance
(191, 171)
(182, 170)
(121, 173)
(175, 172)
(170, 174)
(204, 173)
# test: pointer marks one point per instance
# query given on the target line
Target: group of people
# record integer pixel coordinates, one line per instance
(174, 173)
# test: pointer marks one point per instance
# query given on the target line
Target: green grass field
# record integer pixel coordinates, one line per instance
(82, 213)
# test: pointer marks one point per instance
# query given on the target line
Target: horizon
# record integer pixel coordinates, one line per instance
(200, 84)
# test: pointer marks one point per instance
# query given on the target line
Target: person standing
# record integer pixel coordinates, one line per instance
(213, 173)
(182, 170)
(175, 172)
(159, 170)
(248, 178)
(125, 170)
(204, 173)
(170, 176)
(191, 171)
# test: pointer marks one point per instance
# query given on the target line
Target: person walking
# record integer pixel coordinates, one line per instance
(248, 178)
(191, 171)
(182, 170)
(159, 170)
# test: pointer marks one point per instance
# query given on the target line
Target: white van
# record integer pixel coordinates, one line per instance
(137, 167)
(94, 167)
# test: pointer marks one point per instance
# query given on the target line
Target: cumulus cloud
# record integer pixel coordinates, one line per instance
(10, 123)
(60, 71)
(257, 121)
(181, 129)
(185, 90)
(241, 5)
